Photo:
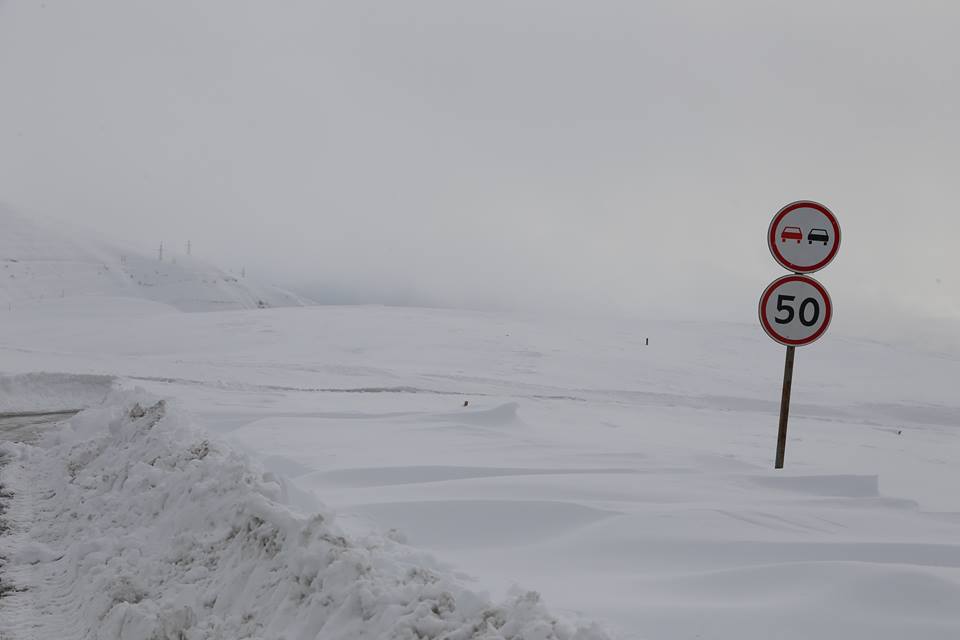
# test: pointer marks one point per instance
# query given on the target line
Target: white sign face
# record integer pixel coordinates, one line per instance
(804, 236)
(795, 310)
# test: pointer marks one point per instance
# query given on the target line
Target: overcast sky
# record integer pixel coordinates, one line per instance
(602, 154)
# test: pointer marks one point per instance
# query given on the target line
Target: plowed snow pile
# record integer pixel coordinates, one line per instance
(128, 523)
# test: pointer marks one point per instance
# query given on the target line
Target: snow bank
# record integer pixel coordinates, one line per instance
(51, 392)
(129, 523)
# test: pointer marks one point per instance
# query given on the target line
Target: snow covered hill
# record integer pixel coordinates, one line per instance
(39, 262)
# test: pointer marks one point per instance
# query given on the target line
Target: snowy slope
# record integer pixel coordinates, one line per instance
(39, 262)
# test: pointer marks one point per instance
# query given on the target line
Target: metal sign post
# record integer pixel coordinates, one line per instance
(785, 408)
(796, 310)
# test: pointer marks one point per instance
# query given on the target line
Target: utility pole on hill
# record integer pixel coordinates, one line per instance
(161, 251)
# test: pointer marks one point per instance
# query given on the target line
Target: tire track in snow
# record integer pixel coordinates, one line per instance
(16, 515)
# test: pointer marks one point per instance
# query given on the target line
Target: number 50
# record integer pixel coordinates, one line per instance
(807, 318)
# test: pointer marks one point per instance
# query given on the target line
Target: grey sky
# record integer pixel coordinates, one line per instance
(611, 154)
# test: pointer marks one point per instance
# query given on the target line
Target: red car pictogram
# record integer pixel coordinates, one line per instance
(791, 233)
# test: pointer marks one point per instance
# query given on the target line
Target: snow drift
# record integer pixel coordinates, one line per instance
(129, 523)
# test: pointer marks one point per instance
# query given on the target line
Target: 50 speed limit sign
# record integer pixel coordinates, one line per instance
(795, 310)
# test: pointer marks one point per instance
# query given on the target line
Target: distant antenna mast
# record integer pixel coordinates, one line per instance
(161, 251)
(189, 248)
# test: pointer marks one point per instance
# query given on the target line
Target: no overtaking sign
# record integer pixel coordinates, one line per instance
(804, 237)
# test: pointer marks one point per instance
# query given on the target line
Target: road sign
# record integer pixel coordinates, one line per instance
(804, 236)
(795, 310)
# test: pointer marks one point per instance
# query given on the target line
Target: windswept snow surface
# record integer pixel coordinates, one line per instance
(127, 523)
(628, 484)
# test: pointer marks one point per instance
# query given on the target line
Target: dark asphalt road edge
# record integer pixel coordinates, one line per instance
(5, 497)
(39, 414)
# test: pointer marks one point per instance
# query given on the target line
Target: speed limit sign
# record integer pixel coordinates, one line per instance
(795, 310)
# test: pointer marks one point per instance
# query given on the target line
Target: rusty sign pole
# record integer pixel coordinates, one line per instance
(785, 407)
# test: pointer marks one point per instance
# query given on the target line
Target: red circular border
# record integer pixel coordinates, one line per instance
(769, 292)
(772, 240)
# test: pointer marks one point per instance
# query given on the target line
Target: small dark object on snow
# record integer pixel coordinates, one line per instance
(466, 403)
(899, 432)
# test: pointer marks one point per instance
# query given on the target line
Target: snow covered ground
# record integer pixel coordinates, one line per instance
(127, 523)
(628, 484)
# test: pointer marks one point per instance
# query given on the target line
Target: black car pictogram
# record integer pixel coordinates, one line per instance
(818, 235)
